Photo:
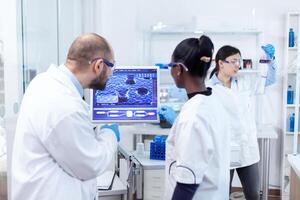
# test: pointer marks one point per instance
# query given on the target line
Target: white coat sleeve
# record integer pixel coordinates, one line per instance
(73, 145)
(266, 78)
(194, 150)
(271, 74)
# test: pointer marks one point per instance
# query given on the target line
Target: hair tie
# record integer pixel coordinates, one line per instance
(205, 59)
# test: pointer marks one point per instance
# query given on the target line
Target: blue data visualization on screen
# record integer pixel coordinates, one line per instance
(130, 95)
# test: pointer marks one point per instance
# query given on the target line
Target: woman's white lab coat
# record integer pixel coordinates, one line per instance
(56, 154)
(239, 104)
(243, 92)
(197, 149)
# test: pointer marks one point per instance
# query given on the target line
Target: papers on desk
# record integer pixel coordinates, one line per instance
(105, 180)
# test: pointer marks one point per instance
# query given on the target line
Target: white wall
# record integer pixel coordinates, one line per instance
(10, 49)
(125, 23)
(9, 25)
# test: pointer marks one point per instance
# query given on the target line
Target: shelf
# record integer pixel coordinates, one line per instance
(293, 48)
(294, 72)
(205, 31)
(291, 75)
(292, 105)
(291, 133)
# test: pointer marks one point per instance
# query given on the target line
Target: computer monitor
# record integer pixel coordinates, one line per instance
(131, 95)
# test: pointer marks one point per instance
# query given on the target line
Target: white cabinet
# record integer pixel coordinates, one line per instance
(150, 178)
(154, 184)
(290, 108)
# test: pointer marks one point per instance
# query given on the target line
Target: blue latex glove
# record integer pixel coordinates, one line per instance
(167, 113)
(114, 128)
(269, 51)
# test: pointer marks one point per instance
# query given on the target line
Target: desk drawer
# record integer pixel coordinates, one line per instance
(154, 175)
(154, 184)
(150, 195)
(154, 180)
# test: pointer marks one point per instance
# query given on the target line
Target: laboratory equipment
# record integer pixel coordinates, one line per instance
(131, 95)
(163, 95)
(292, 122)
(263, 61)
(291, 38)
(290, 95)
(158, 148)
(177, 94)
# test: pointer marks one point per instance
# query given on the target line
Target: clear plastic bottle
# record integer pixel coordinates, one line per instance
(290, 95)
(292, 122)
(291, 38)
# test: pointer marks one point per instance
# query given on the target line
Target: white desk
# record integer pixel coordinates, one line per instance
(118, 190)
(294, 161)
(145, 176)
(152, 177)
(264, 133)
(147, 163)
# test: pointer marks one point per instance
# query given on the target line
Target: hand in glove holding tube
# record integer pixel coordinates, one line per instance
(114, 128)
(167, 113)
(269, 51)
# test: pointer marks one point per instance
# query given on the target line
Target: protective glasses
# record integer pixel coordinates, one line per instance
(234, 62)
(107, 62)
(174, 64)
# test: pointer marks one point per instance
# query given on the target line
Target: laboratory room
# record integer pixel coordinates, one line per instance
(152, 100)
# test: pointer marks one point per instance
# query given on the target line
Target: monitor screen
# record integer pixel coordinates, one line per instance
(131, 95)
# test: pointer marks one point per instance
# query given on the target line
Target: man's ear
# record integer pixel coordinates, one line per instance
(98, 66)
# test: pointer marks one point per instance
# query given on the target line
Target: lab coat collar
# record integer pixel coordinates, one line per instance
(215, 80)
(72, 77)
(206, 92)
(55, 72)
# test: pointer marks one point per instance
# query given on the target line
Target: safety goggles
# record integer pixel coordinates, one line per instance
(174, 64)
(107, 62)
(234, 62)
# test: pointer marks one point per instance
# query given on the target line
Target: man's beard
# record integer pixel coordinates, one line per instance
(100, 82)
(98, 85)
